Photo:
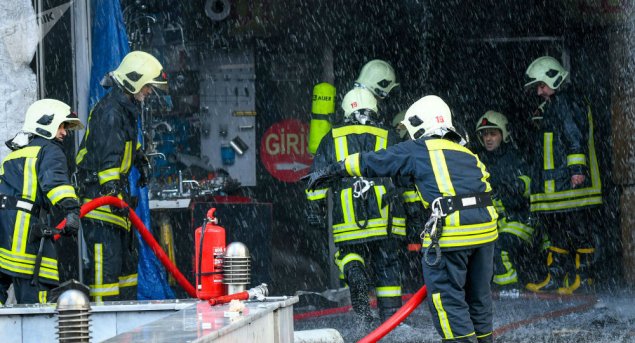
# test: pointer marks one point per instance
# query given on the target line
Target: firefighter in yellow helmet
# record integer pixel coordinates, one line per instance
(107, 152)
(566, 182)
(459, 237)
(378, 77)
(34, 179)
(366, 222)
(513, 255)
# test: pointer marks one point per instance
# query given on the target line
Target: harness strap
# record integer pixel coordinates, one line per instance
(8, 202)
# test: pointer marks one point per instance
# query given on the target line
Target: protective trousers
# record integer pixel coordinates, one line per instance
(459, 296)
(381, 259)
(512, 259)
(25, 292)
(112, 269)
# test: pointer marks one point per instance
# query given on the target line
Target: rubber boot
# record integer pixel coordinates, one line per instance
(486, 338)
(469, 339)
(505, 275)
(556, 266)
(582, 279)
(358, 286)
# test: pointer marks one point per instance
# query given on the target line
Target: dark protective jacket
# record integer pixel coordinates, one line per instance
(38, 175)
(566, 147)
(363, 218)
(107, 151)
(438, 167)
(510, 189)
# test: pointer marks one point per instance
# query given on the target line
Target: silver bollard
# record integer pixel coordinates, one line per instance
(236, 268)
(73, 317)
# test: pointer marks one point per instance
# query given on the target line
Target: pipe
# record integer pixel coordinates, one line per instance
(145, 234)
(258, 293)
(396, 318)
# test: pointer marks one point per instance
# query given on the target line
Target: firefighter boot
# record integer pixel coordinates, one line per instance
(556, 266)
(358, 286)
(467, 339)
(582, 279)
(486, 338)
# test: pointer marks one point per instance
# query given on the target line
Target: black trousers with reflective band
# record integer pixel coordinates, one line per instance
(25, 293)
(459, 296)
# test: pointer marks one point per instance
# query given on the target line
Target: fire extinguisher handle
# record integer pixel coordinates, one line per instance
(210, 214)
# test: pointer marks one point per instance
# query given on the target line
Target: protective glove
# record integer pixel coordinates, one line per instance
(72, 224)
(145, 170)
(320, 177)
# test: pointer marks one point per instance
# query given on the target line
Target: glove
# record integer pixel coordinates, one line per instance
(72, 224)
(145, 170)
(320, 177)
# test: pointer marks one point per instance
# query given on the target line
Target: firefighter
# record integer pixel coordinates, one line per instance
(367, 221)
(34, 179)
(566, 184)
(378, 77)
(108, 151)
(510, 184)
(460, 234)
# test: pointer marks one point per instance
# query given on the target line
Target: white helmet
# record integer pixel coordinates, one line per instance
(493, 120)
(138, 69)
(545, 69)
(378, 77)
(428, 116)
(358, 99)
(45, 116)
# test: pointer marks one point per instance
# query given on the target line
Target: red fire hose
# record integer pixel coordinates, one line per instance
(396, 318)
(227, 298)
(145, 234)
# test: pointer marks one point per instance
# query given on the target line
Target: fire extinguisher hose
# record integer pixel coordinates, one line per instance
(396, 318)
(227, 298)
(145, 234)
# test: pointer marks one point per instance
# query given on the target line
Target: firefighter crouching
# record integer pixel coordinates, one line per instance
(460, 235)
(566, 185)
(34, 178)
(366, 222)
(107, 152)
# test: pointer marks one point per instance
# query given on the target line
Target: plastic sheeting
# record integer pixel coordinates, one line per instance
(109, 46)
(19, 35)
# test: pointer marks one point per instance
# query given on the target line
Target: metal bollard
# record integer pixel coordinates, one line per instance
(236, 268)
(73, 317)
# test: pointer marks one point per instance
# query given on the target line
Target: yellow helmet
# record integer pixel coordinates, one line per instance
(428, 116)
(44, 117)
(378, 77)
(545, 69)
(358, 99)
(138, 69)
(493, 120)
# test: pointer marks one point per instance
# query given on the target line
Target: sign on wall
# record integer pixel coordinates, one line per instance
(284, 150)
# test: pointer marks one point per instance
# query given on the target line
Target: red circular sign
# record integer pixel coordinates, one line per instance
(284, 150)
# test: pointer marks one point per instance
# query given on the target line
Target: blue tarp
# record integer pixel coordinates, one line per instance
(109, 46)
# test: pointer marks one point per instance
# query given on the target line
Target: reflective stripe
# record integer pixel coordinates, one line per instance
(510, 276)
(516, 228)
(316, 194)
(360, 234)
(388, 291)
(26, 152)
(104, 214)
(466, 235)
(576, 159)
(527, 181)
(58, 193)
(358, 130)
(380, 190)
(547, 151)
(410, 196)
(341, 148)
(346, 200)
(80, 155)
(443, 316)
(341, 263)
(380, 143)
(567, 204)
(128, 280)
(550, 186)
(41, 295)
(108, 175)
(25, 264)
(352, 226)
(127, 158)
(352, 165)
(104, 290)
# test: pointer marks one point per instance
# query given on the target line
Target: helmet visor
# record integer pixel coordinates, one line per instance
(72, 122)
(161, 81)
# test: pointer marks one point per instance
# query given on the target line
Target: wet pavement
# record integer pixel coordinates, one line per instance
(604, 317)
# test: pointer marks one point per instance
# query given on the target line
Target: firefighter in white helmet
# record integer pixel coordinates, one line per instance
(366, 221)
(378, 77)
(566, 185)
(34, 179)
(107, 152)
(514, 253)
(458, 239)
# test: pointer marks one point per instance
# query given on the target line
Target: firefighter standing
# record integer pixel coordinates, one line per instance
(34, 178)
(461, 232)
(366, 221)
(566, 181)
(107, 152)
(510, 184)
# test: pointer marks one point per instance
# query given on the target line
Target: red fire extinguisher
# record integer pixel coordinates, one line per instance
(209, 252)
